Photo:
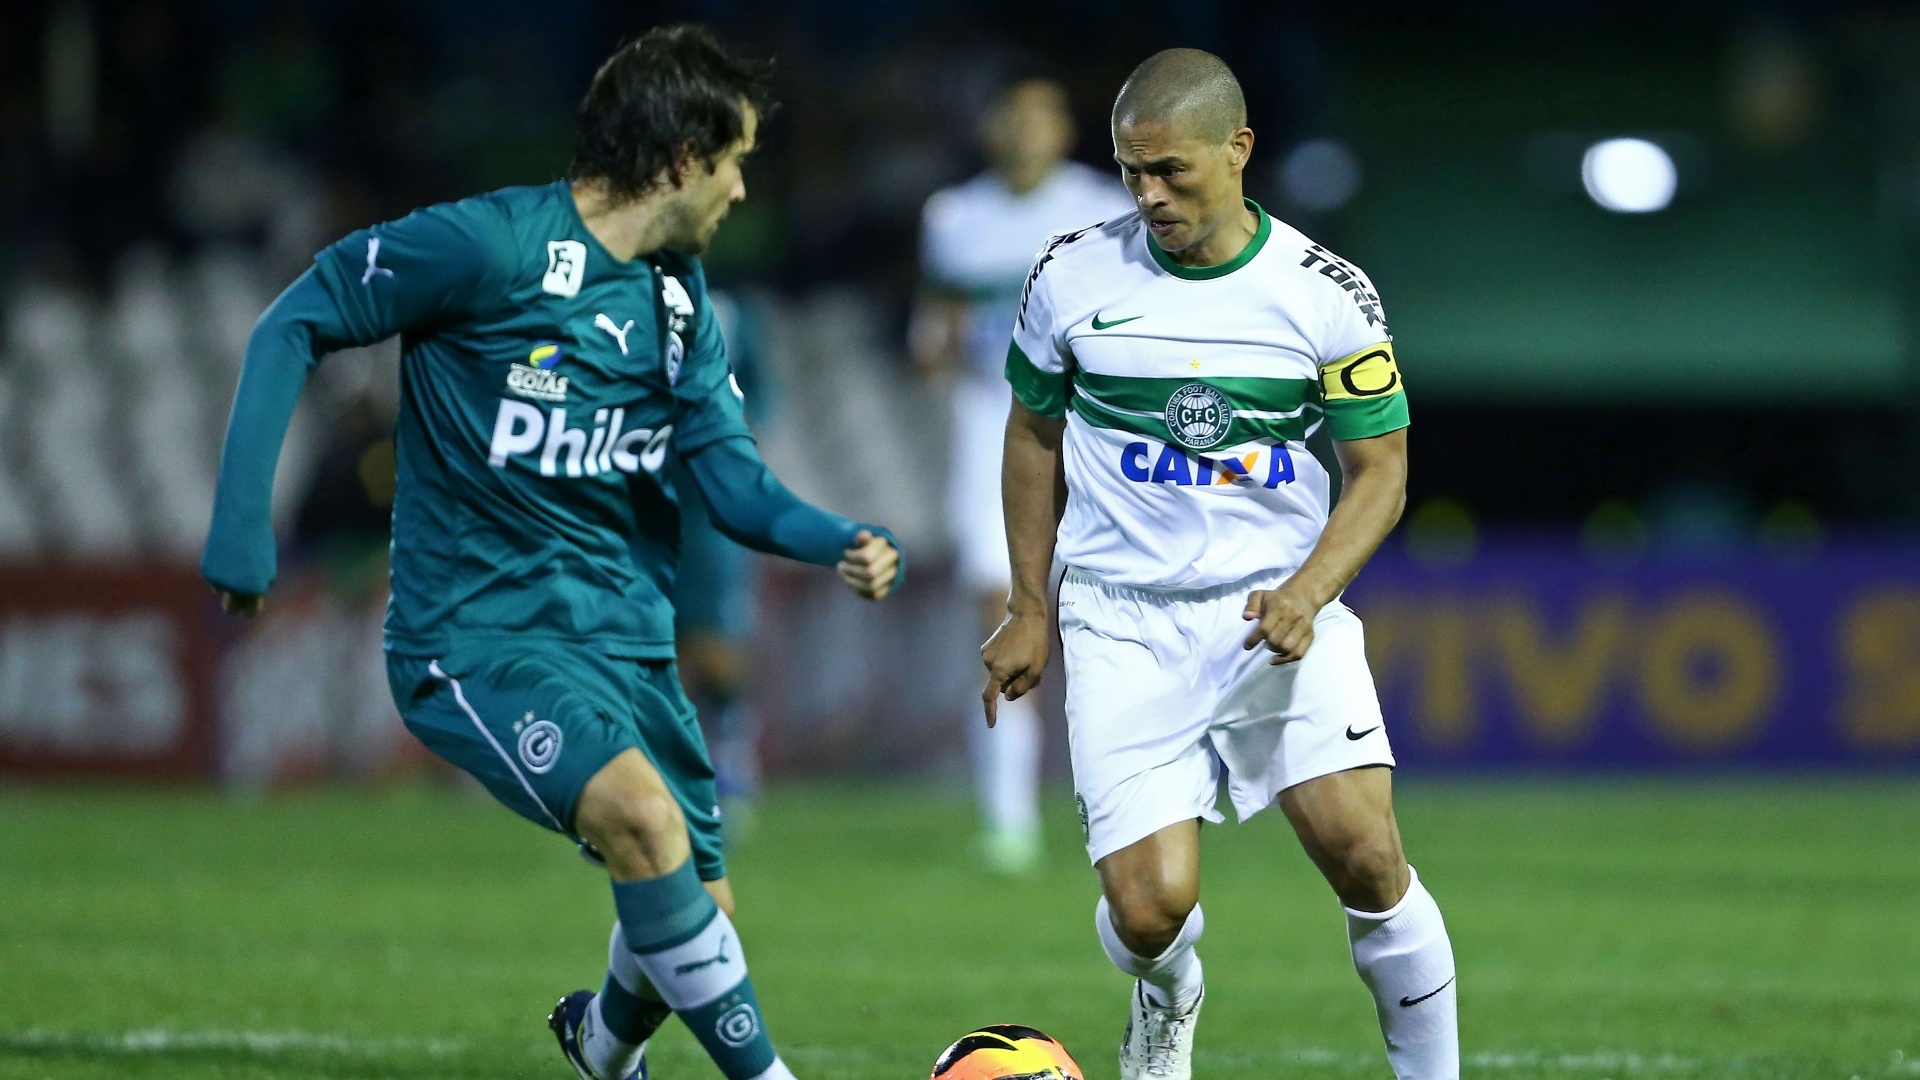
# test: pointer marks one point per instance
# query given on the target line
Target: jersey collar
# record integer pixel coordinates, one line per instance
(1208, 273)
(643, 264)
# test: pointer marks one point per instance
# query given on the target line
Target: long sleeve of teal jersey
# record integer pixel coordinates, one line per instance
(239, 555)
(370, 285)
(750, 506)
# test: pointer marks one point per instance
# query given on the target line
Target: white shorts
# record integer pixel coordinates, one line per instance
(1161, 698)
(974, 516)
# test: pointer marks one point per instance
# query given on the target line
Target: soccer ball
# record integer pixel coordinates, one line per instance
(1006, 1052)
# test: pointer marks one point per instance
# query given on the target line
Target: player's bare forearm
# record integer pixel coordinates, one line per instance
(1372, 496)
(936, 332)
(1033, 494)
(1373, 493)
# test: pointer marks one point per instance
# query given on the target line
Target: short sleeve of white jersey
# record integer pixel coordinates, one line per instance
(1359, 377)
(1038, 362)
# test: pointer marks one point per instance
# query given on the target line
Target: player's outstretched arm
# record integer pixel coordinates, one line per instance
(370, 285)
(239, 557)
(1033, 492)
(750, 506)
(1372, 495)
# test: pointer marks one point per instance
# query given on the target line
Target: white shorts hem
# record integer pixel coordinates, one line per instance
(1121, 839)
(1243, 812)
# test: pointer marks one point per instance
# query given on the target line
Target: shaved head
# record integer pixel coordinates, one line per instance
(1181, 139)
(1191, 91)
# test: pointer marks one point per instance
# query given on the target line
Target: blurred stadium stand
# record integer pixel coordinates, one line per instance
(1734, 378)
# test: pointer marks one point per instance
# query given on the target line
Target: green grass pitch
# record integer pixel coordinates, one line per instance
(1680, 928)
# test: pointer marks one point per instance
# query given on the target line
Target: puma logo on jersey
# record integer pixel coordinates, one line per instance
(601, 320)
(1181, 470)
(373, 268)
(521, 429)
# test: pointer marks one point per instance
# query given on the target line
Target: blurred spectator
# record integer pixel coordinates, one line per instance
(978, 242)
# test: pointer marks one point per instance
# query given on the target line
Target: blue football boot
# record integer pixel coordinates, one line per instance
(565, 1021)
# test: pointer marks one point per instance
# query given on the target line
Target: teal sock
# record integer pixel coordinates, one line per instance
(689, 951)
(630, 1017)
(630, 1006)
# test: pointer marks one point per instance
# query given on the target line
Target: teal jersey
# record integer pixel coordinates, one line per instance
(543, 384)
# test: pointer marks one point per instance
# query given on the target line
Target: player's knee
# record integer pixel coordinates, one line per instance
(1368, 871)
(1148, 919)
(633, 824)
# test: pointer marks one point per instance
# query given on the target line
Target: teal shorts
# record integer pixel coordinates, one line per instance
(534, 723)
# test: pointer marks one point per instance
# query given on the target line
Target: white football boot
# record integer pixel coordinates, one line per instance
(1158, 1044)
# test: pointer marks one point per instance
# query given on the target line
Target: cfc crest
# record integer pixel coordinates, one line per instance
(1198, 416)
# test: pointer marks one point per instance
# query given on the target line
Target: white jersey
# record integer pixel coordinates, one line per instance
(978, 239)
(1189, 393)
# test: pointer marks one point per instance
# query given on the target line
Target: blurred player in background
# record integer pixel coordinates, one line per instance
(713, 607)
(557, 343)
(1168, 368)
(977, 242)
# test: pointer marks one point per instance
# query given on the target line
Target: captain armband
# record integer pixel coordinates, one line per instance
(1364, 394)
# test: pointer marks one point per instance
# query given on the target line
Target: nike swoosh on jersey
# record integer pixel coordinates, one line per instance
(1356, 736)
(1098, 325)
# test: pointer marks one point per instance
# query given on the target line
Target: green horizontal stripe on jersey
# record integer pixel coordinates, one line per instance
(1365, 418)
(1144, 394)
(1154, 424)
(975, 294)
(1044, 392)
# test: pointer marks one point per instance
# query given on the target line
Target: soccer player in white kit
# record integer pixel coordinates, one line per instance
(977, 243)
(1167, 368)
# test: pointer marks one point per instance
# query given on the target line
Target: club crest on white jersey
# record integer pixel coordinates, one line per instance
(1199, 416)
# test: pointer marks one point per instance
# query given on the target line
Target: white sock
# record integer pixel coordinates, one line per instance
(1404, 957)
(608, 1054)
(1173, 979)
(777, 1071)
(1006, 767)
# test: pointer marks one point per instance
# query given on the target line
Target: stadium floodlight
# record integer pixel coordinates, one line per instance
(1629, 176)
(1320, 174)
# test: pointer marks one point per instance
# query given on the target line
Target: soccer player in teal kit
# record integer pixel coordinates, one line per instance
(557, 341)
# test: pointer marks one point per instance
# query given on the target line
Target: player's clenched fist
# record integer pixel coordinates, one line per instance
(871, 565)
(1283, 619)
(1015, 656)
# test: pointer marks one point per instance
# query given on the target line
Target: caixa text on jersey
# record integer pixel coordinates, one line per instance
(608, 446)
(1176, 468)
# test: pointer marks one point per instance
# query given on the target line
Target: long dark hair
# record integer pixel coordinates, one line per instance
(673, 89)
